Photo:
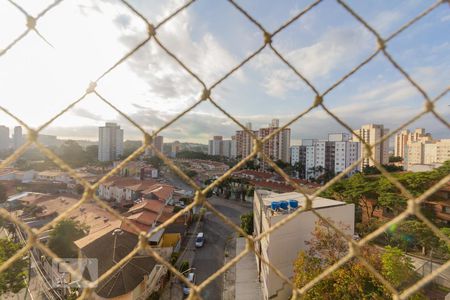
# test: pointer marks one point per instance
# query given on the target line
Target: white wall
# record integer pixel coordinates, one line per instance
(287, 241)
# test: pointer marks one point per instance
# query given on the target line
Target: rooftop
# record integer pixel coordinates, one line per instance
(318, 202)
(130, 275)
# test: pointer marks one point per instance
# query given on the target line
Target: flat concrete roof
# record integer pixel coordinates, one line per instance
(318, 202)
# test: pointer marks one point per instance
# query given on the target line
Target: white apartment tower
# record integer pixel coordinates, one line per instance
(110, 142)
(371, 134)
(215, 146)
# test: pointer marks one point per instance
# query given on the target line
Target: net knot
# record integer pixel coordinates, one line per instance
(205, 94)
(381, 44)
(31, 22)
(147, 139)
(318, 100)
(32, 135)
(91, 87)
(151, 30)
(429, 106)
(267, 38)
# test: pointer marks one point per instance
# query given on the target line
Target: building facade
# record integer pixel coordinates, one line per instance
(4, 138)
(371, 134)
(244, 141)
(17, 137)
(426, 151)
(282, 246)
(405, 136)
(277, 147)
(318, 157)
(215, 146)
(110, 142)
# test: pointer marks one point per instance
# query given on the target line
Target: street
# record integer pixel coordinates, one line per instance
(210, 257)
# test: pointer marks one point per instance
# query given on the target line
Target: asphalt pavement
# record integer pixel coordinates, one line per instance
(210, 257)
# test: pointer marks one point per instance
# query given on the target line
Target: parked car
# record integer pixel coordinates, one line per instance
(191, 278)
(200, 240)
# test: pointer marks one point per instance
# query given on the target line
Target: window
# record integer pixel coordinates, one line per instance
(446, 209)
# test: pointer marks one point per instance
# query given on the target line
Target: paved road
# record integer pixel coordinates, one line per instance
(173, 179)
(210, 258)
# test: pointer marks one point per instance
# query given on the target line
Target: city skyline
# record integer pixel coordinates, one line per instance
(263, 89)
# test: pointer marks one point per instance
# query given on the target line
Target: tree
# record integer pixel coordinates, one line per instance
(191, 173)
(155, 161)
(72, 153)
(395, 159)
(3, 195)
(396, 266)
(389, 196)
(92, 153)
(247, 223)
(352, 280)
(413, 235)
(63, 235)
(12, 279)
(299, 167)
(184, 266)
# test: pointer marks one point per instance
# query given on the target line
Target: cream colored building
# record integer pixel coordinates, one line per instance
(371, 134)
(427, 151)
(281, 247)
(403, 138)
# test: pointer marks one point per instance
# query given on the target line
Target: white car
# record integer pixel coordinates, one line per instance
(191, 279)
(200, 240)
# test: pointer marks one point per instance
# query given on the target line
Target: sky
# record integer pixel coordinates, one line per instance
(211, 37)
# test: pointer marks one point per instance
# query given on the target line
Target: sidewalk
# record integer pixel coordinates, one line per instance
(229, 277)
(247, 286)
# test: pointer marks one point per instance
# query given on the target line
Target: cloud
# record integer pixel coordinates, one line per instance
(203, 53)
(336, 49)
(82, 112)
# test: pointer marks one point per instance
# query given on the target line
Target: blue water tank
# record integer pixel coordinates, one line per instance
(293, 203)
(284, 205)
(275, 205)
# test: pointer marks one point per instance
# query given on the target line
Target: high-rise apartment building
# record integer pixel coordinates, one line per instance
(17, 137)
(371, 134)
(426, 151)
(405, 136)
(4, 138)
(221, 147)
(215, 146)
(277, 147)
(229, 148)
(244, 141)
(317, 157)
(110, 142)
(158, 143)
(175, 148)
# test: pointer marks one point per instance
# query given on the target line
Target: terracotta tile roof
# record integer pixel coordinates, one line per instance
(161, 191)
(143, 185)
(151, 205)
(124, 226)
(88, 213)
(91, 237)
(145, 217)
(6, 171)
